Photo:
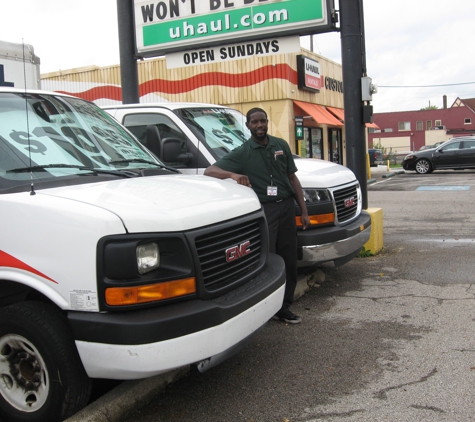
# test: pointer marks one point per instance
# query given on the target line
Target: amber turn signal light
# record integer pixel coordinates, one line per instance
(315, 220)
(120, 296)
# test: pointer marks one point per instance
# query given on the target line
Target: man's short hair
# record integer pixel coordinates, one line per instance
(252, 111)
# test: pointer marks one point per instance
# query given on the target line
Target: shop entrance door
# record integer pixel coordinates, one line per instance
(334, 146)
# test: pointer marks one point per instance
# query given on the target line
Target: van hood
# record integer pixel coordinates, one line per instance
(164, 203)
(315, 173)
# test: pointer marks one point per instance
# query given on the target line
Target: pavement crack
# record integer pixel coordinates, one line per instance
(320, 416)
(433, 408)
(382, 394)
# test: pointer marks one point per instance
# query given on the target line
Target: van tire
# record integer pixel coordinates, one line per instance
(41, 374)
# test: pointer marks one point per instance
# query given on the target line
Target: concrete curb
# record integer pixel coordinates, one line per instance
(131, 396)
(127, 398)
(393, 173)
(385, 176)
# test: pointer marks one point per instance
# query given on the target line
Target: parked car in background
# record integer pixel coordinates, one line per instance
(375, 157)
(424, 147)
(456, 153)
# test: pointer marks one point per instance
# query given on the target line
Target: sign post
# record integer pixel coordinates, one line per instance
(354, 68)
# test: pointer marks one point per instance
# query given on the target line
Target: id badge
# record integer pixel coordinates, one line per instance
(271, 190)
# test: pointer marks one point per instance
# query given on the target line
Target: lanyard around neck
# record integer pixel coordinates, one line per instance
(267, 164)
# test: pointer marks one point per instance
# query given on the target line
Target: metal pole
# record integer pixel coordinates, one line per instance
(354, 68)
(128, 61)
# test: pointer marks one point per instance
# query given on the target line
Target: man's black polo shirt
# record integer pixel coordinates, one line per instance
(260, 162)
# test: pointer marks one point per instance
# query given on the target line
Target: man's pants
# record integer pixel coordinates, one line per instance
(283, 241)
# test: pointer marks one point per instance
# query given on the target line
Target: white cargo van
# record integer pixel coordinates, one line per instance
(192, 136)
(19, 66)
(112, 265)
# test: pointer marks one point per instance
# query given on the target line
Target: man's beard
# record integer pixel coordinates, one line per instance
(260, 138)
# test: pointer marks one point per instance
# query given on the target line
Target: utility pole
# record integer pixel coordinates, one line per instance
(354, 68)
(128, 60)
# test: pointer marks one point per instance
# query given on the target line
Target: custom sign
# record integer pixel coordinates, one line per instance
(309, 75)
(243, 50)
(168, 26)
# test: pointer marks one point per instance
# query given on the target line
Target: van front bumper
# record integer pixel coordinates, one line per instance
(339, 244)
(144, 343)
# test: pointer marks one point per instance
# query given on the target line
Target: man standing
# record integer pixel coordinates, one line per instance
(265, 164)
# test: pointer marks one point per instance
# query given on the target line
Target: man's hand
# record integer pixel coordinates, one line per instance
(305, 220)
(295, 182)
(241, 179)
(219, 173)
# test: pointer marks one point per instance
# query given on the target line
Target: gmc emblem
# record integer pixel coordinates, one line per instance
(349, 202)
(236, 252)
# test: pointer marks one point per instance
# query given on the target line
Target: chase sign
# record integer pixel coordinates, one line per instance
(177, 25)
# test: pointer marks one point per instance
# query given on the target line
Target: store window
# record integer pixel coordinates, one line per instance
(312, 143)
(334, 145)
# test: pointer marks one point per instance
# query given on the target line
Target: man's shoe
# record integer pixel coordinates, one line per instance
(287, 316)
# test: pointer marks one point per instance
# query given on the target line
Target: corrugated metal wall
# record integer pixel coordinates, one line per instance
(242, 81)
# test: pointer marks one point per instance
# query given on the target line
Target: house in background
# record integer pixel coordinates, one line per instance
(404, 131)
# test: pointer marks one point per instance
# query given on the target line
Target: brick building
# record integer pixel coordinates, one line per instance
(404, 131)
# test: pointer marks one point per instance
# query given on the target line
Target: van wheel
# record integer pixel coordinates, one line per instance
(423, 166)
(41, 375)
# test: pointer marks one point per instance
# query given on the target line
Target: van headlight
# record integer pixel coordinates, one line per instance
(148, 257)
(316, 195)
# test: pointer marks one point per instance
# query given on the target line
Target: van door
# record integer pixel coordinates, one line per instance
(169, 129)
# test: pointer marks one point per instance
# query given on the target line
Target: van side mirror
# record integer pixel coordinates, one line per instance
(172, 151)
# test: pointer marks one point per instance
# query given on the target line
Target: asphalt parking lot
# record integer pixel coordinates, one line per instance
(384, 338)
(396, 179)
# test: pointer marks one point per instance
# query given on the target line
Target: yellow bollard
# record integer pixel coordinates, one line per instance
(375, 242)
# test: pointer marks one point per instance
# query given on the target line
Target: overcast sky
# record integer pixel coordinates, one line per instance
(410, 44)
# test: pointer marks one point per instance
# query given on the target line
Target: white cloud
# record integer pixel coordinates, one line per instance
(414, 43)
(408, 43)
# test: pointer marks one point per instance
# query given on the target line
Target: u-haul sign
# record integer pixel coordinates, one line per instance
(177, 25)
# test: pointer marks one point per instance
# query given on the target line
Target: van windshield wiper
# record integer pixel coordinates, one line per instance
(74, 166)
(141, 160)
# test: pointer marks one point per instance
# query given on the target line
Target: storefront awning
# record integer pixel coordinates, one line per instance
(319, 113)
(373, 125)
(338, 112)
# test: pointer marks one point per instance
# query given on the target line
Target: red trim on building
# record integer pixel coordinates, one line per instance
(237, 80)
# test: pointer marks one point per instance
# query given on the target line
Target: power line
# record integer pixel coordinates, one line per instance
(422, 86)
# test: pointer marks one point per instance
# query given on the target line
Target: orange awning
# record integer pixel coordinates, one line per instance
(338, 112)
(374, 125)
(319, 113)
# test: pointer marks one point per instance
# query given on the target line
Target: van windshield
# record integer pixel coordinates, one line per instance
(220, 129)
(45, 137)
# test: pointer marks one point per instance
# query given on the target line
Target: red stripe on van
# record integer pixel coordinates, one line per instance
(7, 260)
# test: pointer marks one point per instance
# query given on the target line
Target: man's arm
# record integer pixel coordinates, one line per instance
(219, 173)
(295, 182)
